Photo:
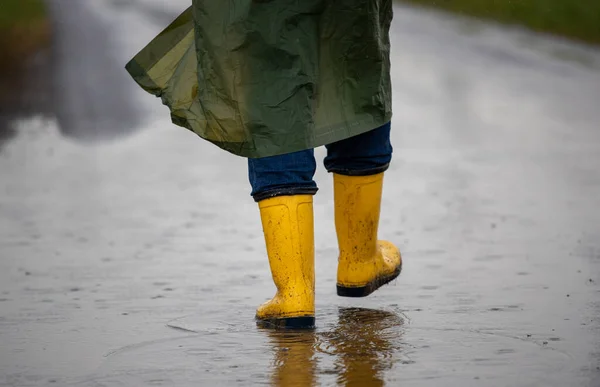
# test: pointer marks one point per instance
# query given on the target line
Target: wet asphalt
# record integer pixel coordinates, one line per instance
(131, 253)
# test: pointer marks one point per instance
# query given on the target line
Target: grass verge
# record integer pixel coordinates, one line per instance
(576, 19)
(24, 29)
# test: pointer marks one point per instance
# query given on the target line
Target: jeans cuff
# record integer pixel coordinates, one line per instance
(288, 191)
(360, 172)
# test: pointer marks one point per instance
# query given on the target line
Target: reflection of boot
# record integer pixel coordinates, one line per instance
(365, 264)
(289, 235)
(364, 341)
(295, 363)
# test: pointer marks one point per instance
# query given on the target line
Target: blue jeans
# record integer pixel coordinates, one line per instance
(369, 153)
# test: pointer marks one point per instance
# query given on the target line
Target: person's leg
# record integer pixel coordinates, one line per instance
(289, 174)
(283, 186)
(367, 154)
(358, 164)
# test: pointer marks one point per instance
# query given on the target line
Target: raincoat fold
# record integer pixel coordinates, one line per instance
(260, 77)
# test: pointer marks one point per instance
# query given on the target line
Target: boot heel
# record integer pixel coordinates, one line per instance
(363, 291)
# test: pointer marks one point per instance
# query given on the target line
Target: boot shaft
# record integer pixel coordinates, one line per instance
(357, 209)
(288, 228)
(289, 237)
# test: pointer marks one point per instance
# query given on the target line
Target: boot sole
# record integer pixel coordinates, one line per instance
(304, 322)
(363, 291)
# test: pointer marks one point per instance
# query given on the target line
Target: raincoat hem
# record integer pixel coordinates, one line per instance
(337, 134)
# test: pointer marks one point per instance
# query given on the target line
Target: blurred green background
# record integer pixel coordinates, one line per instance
(577, 19)
(24, 29)
(17, 11)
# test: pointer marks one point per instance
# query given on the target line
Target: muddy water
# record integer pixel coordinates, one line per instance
(139, 261)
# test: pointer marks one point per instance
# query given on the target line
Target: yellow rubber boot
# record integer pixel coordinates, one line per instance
(365, 264)
(289, 235)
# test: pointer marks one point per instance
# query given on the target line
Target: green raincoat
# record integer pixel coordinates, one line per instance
(262, 77)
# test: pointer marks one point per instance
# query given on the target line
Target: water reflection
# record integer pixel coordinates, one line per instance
(295, 361)
(362, 344)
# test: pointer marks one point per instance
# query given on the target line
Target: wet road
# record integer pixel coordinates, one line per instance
(139, 261)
